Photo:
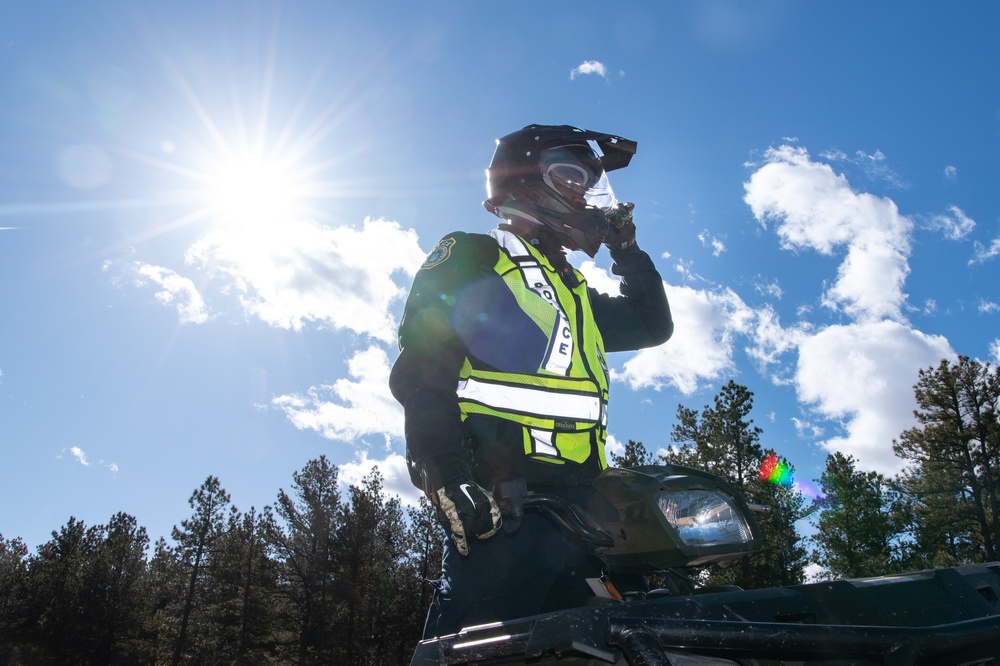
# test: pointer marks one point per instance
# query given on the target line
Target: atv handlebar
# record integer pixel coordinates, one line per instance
(513, 498)
(567, 516)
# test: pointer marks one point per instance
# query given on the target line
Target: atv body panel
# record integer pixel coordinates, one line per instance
(945, 617)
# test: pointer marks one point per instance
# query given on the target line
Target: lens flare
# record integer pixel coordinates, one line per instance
(809, 491)
(776, 471)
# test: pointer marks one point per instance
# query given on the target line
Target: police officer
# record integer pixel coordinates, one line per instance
(502, 373)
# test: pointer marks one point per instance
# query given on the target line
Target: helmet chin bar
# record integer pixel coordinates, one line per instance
(576, 230)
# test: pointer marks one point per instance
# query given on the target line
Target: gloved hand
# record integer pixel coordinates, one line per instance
(469, 509)
(621, 232)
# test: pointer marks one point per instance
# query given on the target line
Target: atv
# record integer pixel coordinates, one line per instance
(667, 519)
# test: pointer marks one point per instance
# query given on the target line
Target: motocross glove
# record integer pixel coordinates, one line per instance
(469, 509)
(621, 231)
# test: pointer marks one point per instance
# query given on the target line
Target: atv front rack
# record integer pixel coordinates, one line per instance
(940, 617)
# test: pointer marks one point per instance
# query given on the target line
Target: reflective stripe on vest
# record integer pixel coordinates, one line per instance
(563, 406)
(535, 405)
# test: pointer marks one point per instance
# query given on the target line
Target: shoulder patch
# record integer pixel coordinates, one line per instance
(439, 254)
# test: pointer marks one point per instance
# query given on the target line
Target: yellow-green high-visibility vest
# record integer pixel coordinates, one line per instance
(563, 405)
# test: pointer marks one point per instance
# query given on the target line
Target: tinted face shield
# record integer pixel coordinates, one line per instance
(579, 195)
(576, 174)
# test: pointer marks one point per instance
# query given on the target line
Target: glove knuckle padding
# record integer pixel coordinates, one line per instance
(494, 518)
(447, 506)
(468, 508)
(621, 230)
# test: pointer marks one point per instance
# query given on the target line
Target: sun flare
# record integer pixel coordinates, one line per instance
(249, 159)
(252, 191)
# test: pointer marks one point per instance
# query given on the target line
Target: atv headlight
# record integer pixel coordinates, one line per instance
(704, 517)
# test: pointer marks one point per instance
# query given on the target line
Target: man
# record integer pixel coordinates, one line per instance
(502, 374)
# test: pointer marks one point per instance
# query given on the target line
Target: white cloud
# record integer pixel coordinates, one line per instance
(613, 447)
(815, 208)
(988, 307)
(710, 241)
(806, 429)
(814, 573)
(876, 168)
(873, 166)
(950, 172)
(589, 67)
(862, 375)
(294, 273)
(701, 349)
(983, 253)
(80, 456)
(955, 224)
(300, 271)
(174, 289)
(995, 351)
(600, 279)
(858, 376)
(832, 155)
(395, 477)
(351, 408)
(770, 341)
(684, 269)
(765, 288)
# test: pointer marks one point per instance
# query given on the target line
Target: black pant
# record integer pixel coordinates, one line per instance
(536, 569)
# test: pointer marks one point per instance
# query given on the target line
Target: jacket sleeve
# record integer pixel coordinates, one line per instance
(640, 316)
(424, 377)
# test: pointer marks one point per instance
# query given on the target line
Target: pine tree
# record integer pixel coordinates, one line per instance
(953, 455)
(13, 596)
(119, 591)
(782, 558)
(245, 587)
(59, 597)
(941, 520)
(371, 545)
(302, 538)
(634, 455)
(167, 587)
(860, 525)
(723, 440)
(195, 539)
(425, 547)
(86, 596)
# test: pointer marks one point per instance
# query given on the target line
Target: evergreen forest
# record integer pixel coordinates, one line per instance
(328, 575)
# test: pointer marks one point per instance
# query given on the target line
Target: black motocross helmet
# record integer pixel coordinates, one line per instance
(555, 175)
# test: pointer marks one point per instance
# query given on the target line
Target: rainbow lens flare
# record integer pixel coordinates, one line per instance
(776, 471)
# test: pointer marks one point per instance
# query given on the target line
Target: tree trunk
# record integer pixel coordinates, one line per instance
(188, 603)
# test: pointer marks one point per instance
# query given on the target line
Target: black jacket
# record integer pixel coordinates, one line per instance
(448, 292)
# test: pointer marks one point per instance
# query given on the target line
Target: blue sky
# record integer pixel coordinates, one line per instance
(210, 214)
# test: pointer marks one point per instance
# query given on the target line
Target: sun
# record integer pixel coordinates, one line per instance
(248, 164)
(252, 190)
(246, 154)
